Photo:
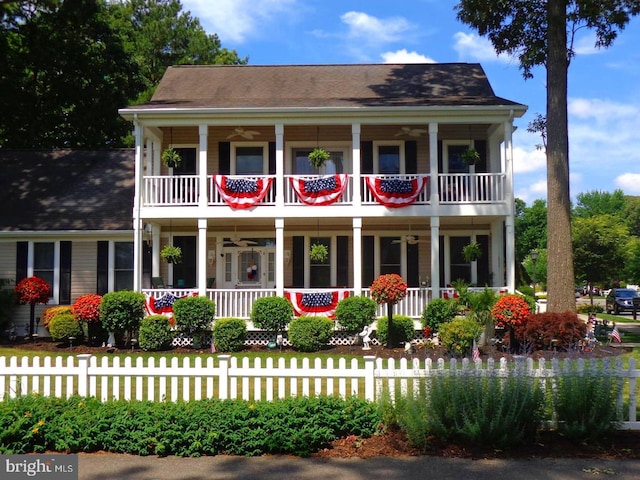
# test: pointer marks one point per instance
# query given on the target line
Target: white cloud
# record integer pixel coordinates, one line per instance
(475, 47)
(236, 20)
(374, 30)
(403, 56)
(525, 161)
(586, 45)
(629, 183)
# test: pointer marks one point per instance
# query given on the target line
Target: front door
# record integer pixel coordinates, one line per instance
(249, 267)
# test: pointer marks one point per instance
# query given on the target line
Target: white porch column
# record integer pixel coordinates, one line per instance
(497, 255)
(433, 164)
(279, 170)
(202, 257)
(279, 224)
(510, 220)
(137, 223)
(155, 250)
(357, 255)
(435, 257)
(510, 242)
(355, 164)
(202, 167)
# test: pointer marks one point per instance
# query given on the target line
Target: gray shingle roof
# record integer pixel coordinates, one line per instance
(66, 190)
(308, 86)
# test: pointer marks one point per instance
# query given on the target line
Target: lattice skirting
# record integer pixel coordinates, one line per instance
(261, 337)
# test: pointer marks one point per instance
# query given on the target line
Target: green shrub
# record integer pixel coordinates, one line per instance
(7, 304)
(310, 334)
(588, 308)
(63, 326)
(155, 333)
(122, 310)
(457, 336)
(439, 311)
(271, 313)
(229, 334)
(405, 329)
(51, 312)
(194, 314)
(354, 313)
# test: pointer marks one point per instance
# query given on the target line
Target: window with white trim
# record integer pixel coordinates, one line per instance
(388, 158)
(123, 266)
(301, 165)
(249, 160)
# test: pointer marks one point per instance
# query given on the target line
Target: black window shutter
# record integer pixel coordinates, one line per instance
(413, 266)
(224, 158)
(102, 281)
(481, 147)
(367, 261)
(65, 273)
(298, 262)
(434, 286)
(272, 158)
(342, 257)
(440, 159)
(366, 157)
(411, 156)
(484, 277)
(22, 255)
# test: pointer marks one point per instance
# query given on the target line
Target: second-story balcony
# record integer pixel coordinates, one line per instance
(299, 190)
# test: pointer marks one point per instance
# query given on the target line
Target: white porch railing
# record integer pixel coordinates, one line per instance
(476, 188)
(171, 190)
(369, 199)
(226, 377)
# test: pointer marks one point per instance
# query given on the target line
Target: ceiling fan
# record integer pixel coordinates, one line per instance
(241, 132)
(238, 241)
(412, 132)
(410, 239)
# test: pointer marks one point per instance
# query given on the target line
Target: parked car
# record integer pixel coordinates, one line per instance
(620, 300)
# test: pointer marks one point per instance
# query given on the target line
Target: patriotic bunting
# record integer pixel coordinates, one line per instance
(475, 354)
(241, 192)
(395, 192)
(313, 304)
(319, 191)
(162, 305)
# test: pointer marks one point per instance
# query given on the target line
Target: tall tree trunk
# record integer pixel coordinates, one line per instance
(560, 279)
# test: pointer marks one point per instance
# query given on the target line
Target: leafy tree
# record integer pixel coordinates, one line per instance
(389, 289)
(32, 290)
(632, 215)
(599, 248)
(530, 228)
(537, 33)
(598, 202)
(632, 262)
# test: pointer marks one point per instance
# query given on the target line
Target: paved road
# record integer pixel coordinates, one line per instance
(112, 466)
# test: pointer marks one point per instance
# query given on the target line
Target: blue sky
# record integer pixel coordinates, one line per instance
(604, 85)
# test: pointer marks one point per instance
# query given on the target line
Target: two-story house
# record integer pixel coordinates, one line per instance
(396, 195)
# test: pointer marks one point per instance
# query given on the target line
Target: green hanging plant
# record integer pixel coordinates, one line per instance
(471, 156)
(171, 254)
(318, 157)
(472, 252)
(171, 158)
(319, 253)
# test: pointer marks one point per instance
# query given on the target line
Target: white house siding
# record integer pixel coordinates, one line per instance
(83, 268)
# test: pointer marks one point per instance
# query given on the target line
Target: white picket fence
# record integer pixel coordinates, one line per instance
(227, 377)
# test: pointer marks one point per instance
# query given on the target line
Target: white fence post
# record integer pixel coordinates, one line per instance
(83, 374)
(369, 378)
(223, 390)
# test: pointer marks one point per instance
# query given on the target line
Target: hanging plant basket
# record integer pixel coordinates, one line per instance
(171, 158)
(318, 157)
(319, 253)
(171, 254)
(471, 156)
(472, 252)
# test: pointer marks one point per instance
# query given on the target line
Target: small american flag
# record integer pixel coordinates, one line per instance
(615, 335)
(475, 354)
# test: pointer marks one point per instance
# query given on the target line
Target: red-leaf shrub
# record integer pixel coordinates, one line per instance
(390, 288)
(33, 290)
(540, 329)
(510, 311)
(87, 308)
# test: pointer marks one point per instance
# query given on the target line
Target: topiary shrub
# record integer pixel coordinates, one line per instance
(86, 310)
(229, 334)
(439, 311)
(540, 329)
(405, 329)
(122, 310)
(194, 314)
(310, 334)
(354, 313)
(63, 326)
(271, 313)
(155, 333)
(51, 312)
(457, 336)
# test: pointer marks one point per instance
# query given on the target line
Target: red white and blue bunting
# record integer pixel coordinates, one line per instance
(315, 304)
(396, 192)
(162, 305)
(320, 191)
(241, 192)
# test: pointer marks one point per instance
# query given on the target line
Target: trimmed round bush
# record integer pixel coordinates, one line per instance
(271, 313)
(457, 336)
(193, 314)
(439, 311)
(121, 310)
(155, 333)
(63, 326)
(354, 313)
(229, 334)
(51, 312)
(310, 334)
(405, 329)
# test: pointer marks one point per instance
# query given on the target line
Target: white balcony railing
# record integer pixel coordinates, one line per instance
(369, 199)
(291, 198)
(476, 188)
(216, 199)
(171, 190)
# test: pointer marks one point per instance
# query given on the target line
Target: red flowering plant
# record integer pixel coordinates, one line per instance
(511, 312)
(87, 308)
(32, 290)
(389, 289)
